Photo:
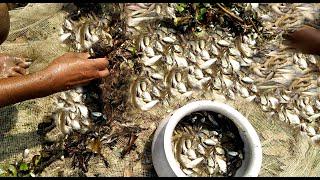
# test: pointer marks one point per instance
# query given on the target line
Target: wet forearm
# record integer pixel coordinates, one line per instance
(21, 88)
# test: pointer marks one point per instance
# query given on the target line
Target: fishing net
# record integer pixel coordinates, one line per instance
(34, 33)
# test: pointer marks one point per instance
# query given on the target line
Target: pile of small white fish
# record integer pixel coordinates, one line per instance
(200, 150)
(72, 114)
(279, 80)
(82, 34)
(175, 66)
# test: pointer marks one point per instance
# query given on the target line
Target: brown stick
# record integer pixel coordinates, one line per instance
(230, 13)
(254, 26)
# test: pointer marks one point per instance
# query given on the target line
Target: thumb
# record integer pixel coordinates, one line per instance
(104, 73)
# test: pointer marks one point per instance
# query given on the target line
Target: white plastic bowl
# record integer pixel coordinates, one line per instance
(162, 153)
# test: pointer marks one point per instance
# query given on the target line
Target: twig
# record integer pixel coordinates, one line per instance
(47, 163)
(230, 13)
(254, 26)
(132, 140)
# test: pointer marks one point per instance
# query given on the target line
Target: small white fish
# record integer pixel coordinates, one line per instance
(202, 44)
(309, 110)
(313, 117)
(224, 43)
(231, 94)
(157, 76)
(219, 150)
(191, 154)
(244, 92)
(158, 46)
(181, 61)
(235, 52)
(83, 110)
(188, 143)
(149, 52)
(273, 102)
(247, 80)
(149, 105)
(192, 57)
(66, 129)
(317, 104)
(233, 153)
(94, 39)
(181, 87)
(247, 50)
(214, 50)
(178, 48)
(201, 149)
(251, 98)
(207, 64)
(198, 74)
(194, 163)
(292, 118)
(146, 40)
(209, 142)
(210, 162)
(146, 97)
(205, 55)
(75, 124)
(151, 61)
(26, 153)
(96, 114)
(168, 39)
(187, 171)
(68, 25)
(310, 130)
(156, 91)
(178, 77)
(222, 165)
(217, 83)
(135, 21)
(169, 60)
(143, 86)
(316, 138)
(64, 37)
(235, 65)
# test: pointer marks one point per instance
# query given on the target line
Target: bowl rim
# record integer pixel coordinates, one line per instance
(238, 119)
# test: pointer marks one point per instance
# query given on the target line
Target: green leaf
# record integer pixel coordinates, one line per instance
(132, 50)
(202, 14)
(13, 170)
(24, 167)
(180, 7)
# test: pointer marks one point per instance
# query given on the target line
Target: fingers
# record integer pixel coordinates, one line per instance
(22, 62)
(19, 70)
(83, 55)
(100, 63)
(18, 60)
(288, 36)
(104, 73)
(13, 73)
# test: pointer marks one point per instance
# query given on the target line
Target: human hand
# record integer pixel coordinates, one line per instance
(306, 39)
(74, 69)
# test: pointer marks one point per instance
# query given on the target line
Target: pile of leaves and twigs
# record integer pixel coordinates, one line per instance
(232, 17)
